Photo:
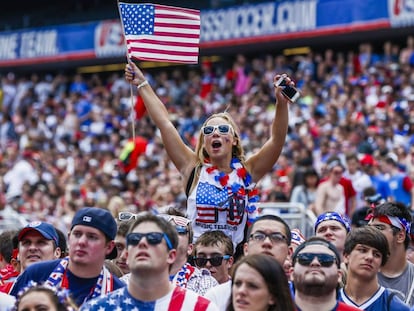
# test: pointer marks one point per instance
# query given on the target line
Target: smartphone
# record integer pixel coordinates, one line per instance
(290, 92)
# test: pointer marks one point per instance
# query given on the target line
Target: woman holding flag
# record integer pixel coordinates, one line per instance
(220, 181)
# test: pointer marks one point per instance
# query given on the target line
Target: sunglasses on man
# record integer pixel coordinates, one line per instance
(214, 261)
(153, 238)
(325, 260)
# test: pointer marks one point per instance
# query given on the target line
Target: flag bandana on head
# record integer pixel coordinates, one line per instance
(161, 33)
(398, 222)
(333, 216)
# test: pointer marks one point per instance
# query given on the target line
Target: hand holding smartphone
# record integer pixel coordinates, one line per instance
(288, 91)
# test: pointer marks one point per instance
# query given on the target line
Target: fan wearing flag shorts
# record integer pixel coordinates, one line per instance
(220, 180)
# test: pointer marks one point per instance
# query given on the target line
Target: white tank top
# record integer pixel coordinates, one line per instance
(212, 206)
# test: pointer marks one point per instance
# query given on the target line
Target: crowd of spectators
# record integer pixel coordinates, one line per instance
(63, 138)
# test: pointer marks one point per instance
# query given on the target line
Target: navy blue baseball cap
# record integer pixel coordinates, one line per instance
(100, 219)
(45, 229)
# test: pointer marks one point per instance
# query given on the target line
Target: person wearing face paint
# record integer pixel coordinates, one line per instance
(220, 181)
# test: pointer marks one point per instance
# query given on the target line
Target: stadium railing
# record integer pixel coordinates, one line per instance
(295, 214)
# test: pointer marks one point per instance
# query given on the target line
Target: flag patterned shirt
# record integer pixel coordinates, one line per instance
(176, 300)
(212, 206)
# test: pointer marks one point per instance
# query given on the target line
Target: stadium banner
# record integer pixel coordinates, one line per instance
(246, 24)
(41, 45)
(290, 19)
(401, 12)
(62, 43)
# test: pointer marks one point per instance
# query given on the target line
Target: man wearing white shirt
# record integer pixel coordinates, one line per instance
(22, 171)
(270, 235)
(6, 302)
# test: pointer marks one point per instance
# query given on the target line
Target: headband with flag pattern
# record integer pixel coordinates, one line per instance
(398, 222)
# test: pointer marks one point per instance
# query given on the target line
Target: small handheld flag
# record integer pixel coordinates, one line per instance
(156, 32)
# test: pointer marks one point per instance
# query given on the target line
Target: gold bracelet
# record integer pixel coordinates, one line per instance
(142, 84)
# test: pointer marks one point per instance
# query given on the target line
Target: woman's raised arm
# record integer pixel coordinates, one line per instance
(180, 154)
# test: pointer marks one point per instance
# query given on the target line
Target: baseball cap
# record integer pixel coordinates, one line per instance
(100, 219)
(45, 229)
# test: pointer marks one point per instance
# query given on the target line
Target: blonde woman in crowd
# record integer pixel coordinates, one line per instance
(220, 181)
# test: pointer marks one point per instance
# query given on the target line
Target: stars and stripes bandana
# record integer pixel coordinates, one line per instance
(333, 216)
(398, 222)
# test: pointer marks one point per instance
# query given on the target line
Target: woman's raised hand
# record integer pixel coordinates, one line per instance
(133, 74)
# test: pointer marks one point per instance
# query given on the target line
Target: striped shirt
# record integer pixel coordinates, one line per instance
(176, 300)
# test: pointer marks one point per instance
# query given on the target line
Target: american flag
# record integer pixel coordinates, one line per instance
(161, 33)
(211, 201)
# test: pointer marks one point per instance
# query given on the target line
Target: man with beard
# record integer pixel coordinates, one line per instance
(334, 228)
(316, 276)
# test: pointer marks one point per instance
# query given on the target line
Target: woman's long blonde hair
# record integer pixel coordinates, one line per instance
(237, 151)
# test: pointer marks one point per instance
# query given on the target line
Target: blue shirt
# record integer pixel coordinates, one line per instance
(79, 287)
(378, 301)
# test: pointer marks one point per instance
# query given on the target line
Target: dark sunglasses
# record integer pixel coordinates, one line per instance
(275, 237)
(222, 129)
(153, 238)
(325, 260)
(214, 261)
